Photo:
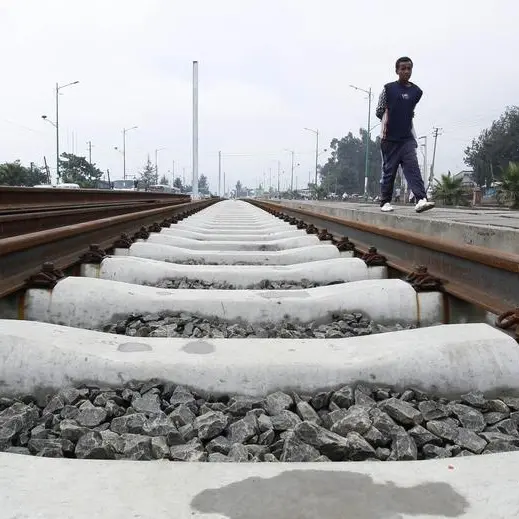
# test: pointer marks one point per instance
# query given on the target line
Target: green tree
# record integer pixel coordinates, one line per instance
(203, 186)
(344, 170)
(508, 191)
(14, 174)
(449, 190)
(178, 183)
(78, 170)
(317, 192)
(148, 176)
(489, 154)
(164, 181)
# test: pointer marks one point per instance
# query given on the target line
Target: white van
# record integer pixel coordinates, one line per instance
(68, 186)
(59, 186)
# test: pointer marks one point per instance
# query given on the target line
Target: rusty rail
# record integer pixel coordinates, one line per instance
(23, 256)
(14, 222)
(482, 277)
(11, 197)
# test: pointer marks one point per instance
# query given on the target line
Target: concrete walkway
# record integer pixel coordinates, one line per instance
(495, 229)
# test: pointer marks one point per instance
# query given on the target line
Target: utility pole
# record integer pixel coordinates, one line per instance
(424, 153)
(368, 137)
(435, 135)
(195, 130)
(292, 153)
(124, 154)
(57, 134)
(58, 88)
(316, 155)
(219, 173)
(279, 167)
(292, 173)
(425, 158)
(224, 185)
(316, 152)
(89, 152)
(125, 130)
(270, 179)
(47, 170)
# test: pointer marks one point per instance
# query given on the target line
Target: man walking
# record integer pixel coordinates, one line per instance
(398, 140)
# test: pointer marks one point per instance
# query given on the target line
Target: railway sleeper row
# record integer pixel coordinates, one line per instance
(298, 349)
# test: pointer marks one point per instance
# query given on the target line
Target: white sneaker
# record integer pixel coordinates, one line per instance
(423, 205)
(387, 208)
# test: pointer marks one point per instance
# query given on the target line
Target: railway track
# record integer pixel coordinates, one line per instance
(228, 334)
(23, 256)
(26, 210)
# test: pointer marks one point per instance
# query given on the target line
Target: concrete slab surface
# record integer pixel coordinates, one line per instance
(495, 229)
(159, 251)
(103, 301)
(38, 358)
(477, 487)
(130, 269)
(237, 245)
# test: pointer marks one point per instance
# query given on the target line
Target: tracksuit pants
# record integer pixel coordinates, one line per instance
(395, 154)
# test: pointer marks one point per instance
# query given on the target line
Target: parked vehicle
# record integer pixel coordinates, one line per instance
(160, 188)
(125, 185)
(59, 186)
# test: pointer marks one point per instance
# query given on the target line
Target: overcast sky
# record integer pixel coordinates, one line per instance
(267, 68)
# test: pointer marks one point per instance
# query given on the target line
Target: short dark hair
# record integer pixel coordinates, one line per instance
(403, 59)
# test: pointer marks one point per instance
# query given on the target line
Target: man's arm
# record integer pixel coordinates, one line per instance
(420, 94)
(382, 104)
(418, 97)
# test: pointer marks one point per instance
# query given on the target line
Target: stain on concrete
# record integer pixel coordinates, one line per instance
(198, 348)
(131, 347)
(284, 294)
(316, 494)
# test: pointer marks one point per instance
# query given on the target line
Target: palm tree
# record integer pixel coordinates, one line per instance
(449, 190)
(508, 191)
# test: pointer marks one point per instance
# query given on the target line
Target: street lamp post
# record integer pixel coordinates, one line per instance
(316, 151)
(424, 145)
(157, 162)
(279, 170)
(368, 137)
(291, 169)
(56, 124)
(125, 130)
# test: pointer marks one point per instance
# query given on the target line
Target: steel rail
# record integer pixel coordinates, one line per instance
(483, 277)
(23, 256)
(11, 197)
(23, 210)
(19, 222)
